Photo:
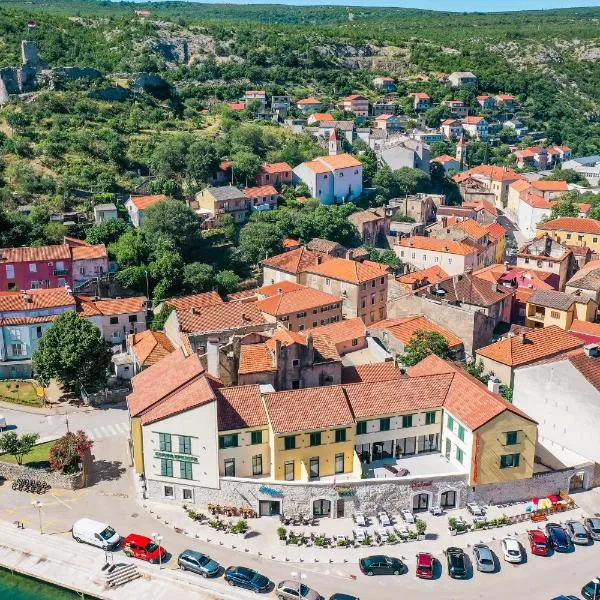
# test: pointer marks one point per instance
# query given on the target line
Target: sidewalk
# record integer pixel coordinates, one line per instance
(262, 540)
(57, 560)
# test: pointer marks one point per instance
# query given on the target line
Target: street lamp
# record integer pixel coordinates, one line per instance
(37, 504)
(157, 538)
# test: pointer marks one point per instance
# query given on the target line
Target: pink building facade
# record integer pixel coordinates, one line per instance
(35, 268)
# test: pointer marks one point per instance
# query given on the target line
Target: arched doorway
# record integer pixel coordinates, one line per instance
(421, 502)
(576, 482)
(448, 499)
(322, 508)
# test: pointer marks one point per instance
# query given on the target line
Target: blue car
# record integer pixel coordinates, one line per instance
(558, 537)
(343, 597)
(247, 578)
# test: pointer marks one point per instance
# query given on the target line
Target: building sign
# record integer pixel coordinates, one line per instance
(180, 457)
(344, 491)
(420, 484)
(269, 491)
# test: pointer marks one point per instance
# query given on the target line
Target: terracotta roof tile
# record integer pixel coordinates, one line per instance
(419, 242)
(282, 287)
(490, 172)
(366, 216)
(316, 167)
(295, 301)
(405, 328)
(350, 271)
(89, 252)
(195, 300)
(295, 261)
(109, 306)
(588, 366)
(274, 168)
(255, 358)
(384, 371)
(35, 300)
(260, 191)
(27, 320)
(34, 254)
(588, 277)
(433, 274)
(308, 101)
(574, 224)
(150, 346)
(307, 409)
(219, 317)
(539, 344)
(340, 161)
(144, 202)
(588, 332)
(472, 228)
(322, 117)
(496, 230)
(550, 186)
(340, 332)
(324, 246)
(240, 407)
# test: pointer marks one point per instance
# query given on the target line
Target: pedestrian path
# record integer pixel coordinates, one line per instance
(104, 431)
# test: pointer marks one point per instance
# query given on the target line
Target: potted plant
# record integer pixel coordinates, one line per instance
(421, 529)
(213, 523)
(452, 525)
(282, 534)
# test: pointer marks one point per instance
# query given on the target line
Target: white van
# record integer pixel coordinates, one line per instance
(95, 533)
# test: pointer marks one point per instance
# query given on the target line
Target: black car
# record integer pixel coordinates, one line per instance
(558, 537)
(457, 562)
(190, 560)
(381, 565)
(247, 578)
(343, 597)
(591, 590)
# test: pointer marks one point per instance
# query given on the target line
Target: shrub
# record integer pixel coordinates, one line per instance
(69, 451)
(240, 527)
(282, 533)
(421, 526)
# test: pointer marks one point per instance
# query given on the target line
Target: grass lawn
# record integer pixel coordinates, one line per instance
(37, 458)
(23, 394)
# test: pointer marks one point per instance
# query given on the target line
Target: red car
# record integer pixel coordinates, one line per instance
(425, 565)
(538, 542)
(144, 548)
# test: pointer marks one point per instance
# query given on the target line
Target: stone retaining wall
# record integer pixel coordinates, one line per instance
(56, 480)
(539, 486)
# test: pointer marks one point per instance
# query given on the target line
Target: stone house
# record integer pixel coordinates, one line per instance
(547, 255)
(275, 174)
(586, 281)
(372, 224)
(214, 202)
(460, 78)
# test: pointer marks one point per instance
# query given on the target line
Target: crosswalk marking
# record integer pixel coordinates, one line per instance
(97, 433)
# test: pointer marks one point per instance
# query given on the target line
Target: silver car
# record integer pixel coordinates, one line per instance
(290, 589)
(483, 558)
(578, 533)
(593, 526)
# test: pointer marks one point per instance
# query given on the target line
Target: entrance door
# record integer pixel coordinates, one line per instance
(269, 508)
(321, 508)
(420, 502)
(448, 499)
(340, 508)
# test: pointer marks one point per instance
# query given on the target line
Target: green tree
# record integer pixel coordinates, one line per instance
(386, 257)
(477, 370)
(18, 446)
(72, 351)
(175, 223)
(565, 206)
(197, 277)
(106, 232)
(160, 318)
(422, 344)
(434, 116)
(202, 161)
(245, 166)
(227, 281)
(167, 270)
(130, 249)
(134, 278)
(258, 240)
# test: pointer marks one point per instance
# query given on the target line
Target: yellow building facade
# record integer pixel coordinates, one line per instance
(573, 231)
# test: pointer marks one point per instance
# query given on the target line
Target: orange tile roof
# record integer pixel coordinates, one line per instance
(467, 399)
(150, 346)
(295, 261)
(444, 158)
(539, 344)
(490, 172)
(350, 271)
(405, 328)
(255, 358)
(472, 228)
(322, 117)
(373, 399)
(420, 95)
(35, 300)
(366, 216)
(472, 120)
(240, 407)
(478, 205)
(28, 320)
(89, 252)
(340, 161)
(355, 97)
(259, 191)
(340, 332)
(578, 326)
(384, 371)
(109, 306)
(255, 92)
(144, 202)
(295, 301)
(282, 287)
(520, 185)
(550, 186)
(219, 317)
(430, 275)
(496, 230)
(308, 101)
(274, 168)
(419, 242)
(574, 224)
(316, 166)
(308, 409)
(236, 105)
(588, 366)
(290, 243)
(195, 300)
(34, 254)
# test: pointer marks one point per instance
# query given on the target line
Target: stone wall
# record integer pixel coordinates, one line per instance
(539, 486)
(56, 480)
(369, 496)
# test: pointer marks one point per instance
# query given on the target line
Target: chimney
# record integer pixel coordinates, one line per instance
(245, 317)
(319, 259)
(311, 349)
(548, 245)
(493, 385)
(279, 292)
(195, 311)
(212, 356)
(350, 254)
(522, 338)
(277, 352)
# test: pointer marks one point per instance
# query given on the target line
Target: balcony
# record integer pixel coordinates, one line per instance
(60, 271)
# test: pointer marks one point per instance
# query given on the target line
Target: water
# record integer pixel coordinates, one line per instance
(19, 587)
